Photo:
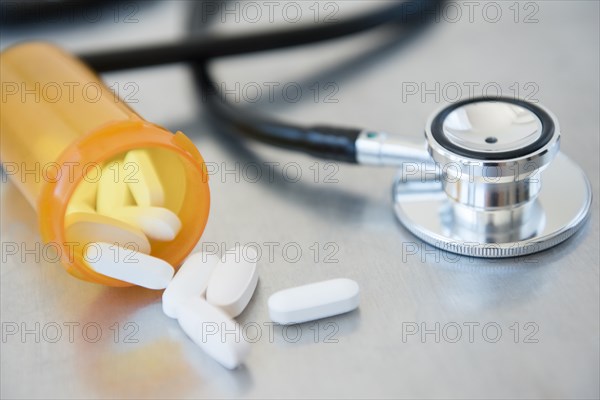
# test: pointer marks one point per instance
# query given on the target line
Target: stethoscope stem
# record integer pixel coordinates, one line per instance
(383, 149)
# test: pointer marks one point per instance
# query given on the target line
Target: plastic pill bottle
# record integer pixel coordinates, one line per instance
(59, 123)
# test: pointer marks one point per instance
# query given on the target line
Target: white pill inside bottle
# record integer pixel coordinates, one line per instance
(128, 265)
(157, 223)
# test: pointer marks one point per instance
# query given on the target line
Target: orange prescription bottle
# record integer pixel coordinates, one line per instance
(59, 123)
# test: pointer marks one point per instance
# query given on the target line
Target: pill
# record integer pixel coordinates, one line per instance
(84, 228)
(80, 207)
(314, 301)
(113, 190)
(189, 282)
(83, 198)
(146, 187)
(172, 175)
(211, 329)
(233, 280)
(156, 222)
(128, 265)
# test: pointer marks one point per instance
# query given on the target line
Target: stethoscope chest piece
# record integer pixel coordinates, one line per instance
(497, 185)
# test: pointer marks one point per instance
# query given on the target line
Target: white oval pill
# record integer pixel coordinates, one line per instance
(83, 198)
(189, 282)
(128, 265)
(78, 207)
(83, 228)
(156, 222)
(112, 189)
(314, 301)
(233, 280)
(146, 188)
(211, 329)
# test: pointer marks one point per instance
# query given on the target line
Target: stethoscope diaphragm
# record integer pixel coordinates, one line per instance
(498, 185)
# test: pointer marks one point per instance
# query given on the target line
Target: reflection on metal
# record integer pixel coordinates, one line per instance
(477, 206)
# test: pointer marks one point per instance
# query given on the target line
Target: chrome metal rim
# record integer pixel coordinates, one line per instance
(564, 203)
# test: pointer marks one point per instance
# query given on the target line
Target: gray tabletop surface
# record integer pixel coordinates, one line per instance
(429, 325)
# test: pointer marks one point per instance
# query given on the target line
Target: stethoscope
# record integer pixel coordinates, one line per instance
(498, 186)
(489, 181)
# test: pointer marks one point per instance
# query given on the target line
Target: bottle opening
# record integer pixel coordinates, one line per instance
(146, 192)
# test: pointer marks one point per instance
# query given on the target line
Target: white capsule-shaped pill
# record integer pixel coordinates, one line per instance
(78, 207)
(83, 228)
(233, 280)
(128, 265)
(83, 198)
(112, 188)
(211, 329)
(146, 188)
(314, 301)
(157, 223)
(190, 281)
